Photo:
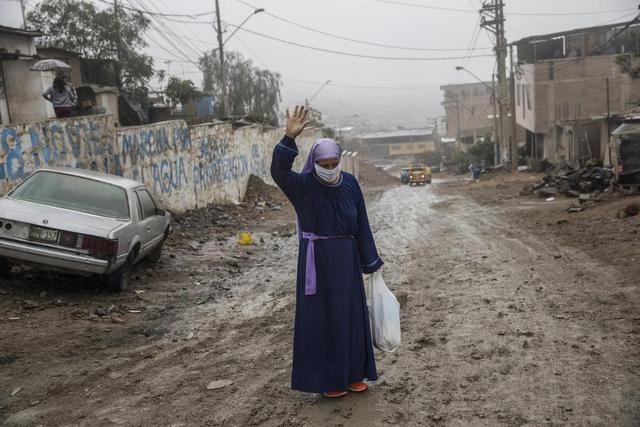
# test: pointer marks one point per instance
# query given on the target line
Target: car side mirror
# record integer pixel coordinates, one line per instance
(160, 212)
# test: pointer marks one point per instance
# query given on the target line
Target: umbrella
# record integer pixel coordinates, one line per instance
(50, 64)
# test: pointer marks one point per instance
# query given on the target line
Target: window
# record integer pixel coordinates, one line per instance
(74, 193)
(147, 203)
(528, 96)
(518, 93)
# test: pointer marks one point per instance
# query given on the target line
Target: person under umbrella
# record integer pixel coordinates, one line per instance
(62, 96)
(332, 348)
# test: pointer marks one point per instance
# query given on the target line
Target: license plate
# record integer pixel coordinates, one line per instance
(43, 235)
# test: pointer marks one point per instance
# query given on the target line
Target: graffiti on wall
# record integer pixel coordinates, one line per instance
(184, 167)
(156, 155)
(86, 143)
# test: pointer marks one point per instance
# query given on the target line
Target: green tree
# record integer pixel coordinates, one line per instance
(253, 92)
(181, 91)
(482, 151)
(80, 27)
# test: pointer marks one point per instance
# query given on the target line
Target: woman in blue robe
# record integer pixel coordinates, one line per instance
(332, 348)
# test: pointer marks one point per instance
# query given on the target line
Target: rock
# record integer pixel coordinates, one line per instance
(30, 304)
(548, 191)
(574, 209)
(194, 245)
(218, 384)
(16, 391)
(632, 209)
(100, 311)
(583, 198)
(43, 294)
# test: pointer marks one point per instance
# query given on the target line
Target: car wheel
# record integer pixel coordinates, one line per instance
(155, 255)
(5, 267)
(118, 280)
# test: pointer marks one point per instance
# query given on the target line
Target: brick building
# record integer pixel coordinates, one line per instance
(568, 83)
(468, 111)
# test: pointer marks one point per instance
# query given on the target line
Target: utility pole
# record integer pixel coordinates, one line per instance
(493, 20)
(223, 82)
(458, 122)
(512, 107)
(609, 120)
(116, 20)
(24, 20)
(496, 142)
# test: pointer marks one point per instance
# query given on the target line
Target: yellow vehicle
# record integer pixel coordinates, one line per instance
(419, 174)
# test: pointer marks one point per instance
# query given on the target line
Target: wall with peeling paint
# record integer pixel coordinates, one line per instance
(185, 167)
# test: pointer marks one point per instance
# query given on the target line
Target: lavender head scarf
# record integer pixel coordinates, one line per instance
(322, 149)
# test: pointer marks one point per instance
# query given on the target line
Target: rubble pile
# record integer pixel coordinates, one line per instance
(372, 176)
(586, 183)
(261, 200)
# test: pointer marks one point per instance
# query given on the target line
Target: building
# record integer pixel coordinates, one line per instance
(468, 111)
(406, 144)
(568, 84)
(20, 88)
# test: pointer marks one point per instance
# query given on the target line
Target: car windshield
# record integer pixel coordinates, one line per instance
(75, 193)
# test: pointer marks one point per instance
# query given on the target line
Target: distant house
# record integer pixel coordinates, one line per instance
(21, 89)
(468, 111)
(402, 143)
(566, 85)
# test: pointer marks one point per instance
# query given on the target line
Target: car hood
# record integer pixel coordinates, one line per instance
(58, 218)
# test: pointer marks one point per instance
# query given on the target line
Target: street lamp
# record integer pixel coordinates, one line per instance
(492, 88)
(255, 12)
(318, 91)
(223, 83)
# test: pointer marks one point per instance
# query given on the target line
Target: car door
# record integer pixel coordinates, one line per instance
(151, 223)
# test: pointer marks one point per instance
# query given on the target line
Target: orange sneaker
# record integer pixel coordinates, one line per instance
(334, 393)
(358, 387)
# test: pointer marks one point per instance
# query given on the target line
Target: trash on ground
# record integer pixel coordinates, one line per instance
(218, 384)
(244, 238)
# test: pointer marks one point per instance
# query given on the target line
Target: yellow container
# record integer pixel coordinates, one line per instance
(244, 238)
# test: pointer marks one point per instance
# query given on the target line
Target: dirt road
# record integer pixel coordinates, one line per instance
(501, 326)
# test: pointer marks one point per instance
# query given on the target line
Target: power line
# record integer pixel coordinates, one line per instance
(348, 86)
(315, 30)
(160, 14)
(450, 9)
(154, 25)
(180, 35)
(597, 49)
(310, 82)
(352, 54)
(472, 43)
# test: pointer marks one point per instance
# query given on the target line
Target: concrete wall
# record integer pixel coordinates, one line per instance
(569, 101)
(14, 43)
(473, 102)
(23, 91)
(185, 167)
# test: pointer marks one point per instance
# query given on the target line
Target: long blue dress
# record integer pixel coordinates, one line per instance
(332, 340)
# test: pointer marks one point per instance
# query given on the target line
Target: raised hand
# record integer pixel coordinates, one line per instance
(296, 122)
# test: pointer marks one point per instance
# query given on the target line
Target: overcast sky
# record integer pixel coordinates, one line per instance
(393, 91)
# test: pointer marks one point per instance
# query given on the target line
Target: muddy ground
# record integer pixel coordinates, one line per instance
(514, 313)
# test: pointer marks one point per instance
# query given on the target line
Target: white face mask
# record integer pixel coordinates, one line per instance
(328, 175)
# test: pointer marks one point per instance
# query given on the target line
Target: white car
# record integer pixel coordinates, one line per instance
(82, 222)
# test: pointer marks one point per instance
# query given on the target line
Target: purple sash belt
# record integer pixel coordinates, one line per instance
(310, 264)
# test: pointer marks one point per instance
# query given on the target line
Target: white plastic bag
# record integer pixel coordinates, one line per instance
(384, 314)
